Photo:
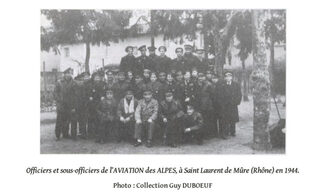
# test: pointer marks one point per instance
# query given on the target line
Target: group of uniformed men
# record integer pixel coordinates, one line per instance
(151, 97)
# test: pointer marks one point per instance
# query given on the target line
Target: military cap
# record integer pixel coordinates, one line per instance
(143, 47)
(179, 48)
(128, 47)
(200, 74)
(100, 73)
(169, 93)
(165, 49)
(152, 48)
(108, 72)
(214, 75)
(82, 75)
(129, 90)
(194, 69)
(68, 70)
(121, 73)
(86, 73)
(208, 72)
(188, 46)
(178, 72)
(138, 76)
(162, 73)
(190, 105)
(228, 73)
(109, 90)
(146, 70)
(200, 50)
(147, 89)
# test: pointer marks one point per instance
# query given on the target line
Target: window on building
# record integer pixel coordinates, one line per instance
(66, 52)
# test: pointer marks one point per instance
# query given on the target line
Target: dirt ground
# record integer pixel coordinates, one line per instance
(241, 144)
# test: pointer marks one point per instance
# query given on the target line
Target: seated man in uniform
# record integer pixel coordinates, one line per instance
(126, 109)
(145, 115)
(107, 109)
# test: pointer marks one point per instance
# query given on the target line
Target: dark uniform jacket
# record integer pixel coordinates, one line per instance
(154, 62)
(155, 88)
(107, 110)
(178, 64)
(65, 94)
(229, 97)
(164, 64)
(179, 92)
(142, 62)
(202, 65)
(190, 91)
(204, 96)
(127, 63)
(96, 91)
(194, 121)
(138, 89)
(122, 87)
(191, 61)
(82, 94)
(170, 110)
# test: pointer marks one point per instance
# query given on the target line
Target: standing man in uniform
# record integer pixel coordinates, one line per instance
(203, 64)
(190, 59)
(164, 62)
(154, 86)
(111, 84)
(153, 58)
(178, 64)
(83, 90)
(142, 62)
(123, 85)
(65, 97)
(96, 93)
(190, 88)
(204, 103)
(138, 87)
(229, 93)
(163, 84)
(127, 62)
(146, 114)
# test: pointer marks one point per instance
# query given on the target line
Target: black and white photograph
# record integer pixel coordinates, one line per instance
(163, 81)
(160, 97)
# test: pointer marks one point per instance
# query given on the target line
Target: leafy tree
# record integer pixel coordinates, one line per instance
(275, 32)
(83, 26)
(244, 35)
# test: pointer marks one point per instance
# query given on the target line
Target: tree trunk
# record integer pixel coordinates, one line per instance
(86, 64)
(152, 27)
(244, 80)
(272, 72)
(261, 85)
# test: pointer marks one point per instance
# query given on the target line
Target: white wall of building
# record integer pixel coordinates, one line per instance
(51, 60)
